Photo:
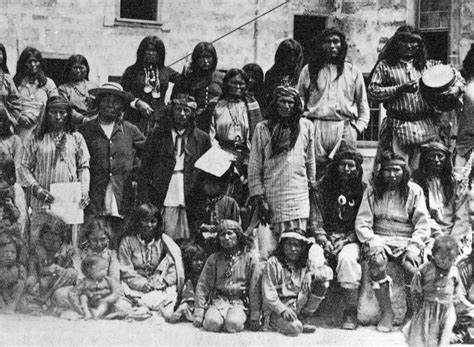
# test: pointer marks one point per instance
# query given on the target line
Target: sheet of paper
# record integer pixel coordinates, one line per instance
(215, 161)
(66, 202)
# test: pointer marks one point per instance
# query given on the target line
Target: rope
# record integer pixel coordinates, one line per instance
(234, 30)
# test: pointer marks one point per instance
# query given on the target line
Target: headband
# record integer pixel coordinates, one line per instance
(188, 101)
(410, 36)
(390, 162)
(286, 91)
(58, 103)
(228, 224)
(434, 146)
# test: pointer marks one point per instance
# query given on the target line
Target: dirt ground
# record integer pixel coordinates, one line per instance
(51, 331)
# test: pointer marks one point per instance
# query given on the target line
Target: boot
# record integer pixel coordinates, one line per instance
(383, 297)
(351, 297)
(308, 328)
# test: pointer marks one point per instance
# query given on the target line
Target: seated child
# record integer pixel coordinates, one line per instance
(51, 264)
(435, 287)
(96, 294)
(193, 259)
(289, 299)
(98, 239)
(9, 212)
(12, 274)
(217, 207)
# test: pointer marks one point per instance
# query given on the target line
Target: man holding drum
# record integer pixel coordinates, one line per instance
(410, 119)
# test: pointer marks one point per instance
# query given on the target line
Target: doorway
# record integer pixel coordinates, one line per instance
(305, 28)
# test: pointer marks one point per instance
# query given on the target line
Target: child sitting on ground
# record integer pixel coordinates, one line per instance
(434, 288)
(193, 259)
(51, 264)
(96, 294)
(9, 213)
(12, 274)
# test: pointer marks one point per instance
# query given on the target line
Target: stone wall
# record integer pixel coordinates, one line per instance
(60, 28)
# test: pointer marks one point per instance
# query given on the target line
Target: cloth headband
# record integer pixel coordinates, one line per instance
(286, 91)
(187, 101)
(228, 224)
(393, 162)
(434, 146)
(58, 103)
(411, 36)
(294, 234)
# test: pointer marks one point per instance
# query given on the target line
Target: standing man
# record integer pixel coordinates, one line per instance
(112, 143)
(394, 82)
(168, 172)
(335, 202)
(334, 94)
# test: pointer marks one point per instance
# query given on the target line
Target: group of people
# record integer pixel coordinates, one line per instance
(164, 237)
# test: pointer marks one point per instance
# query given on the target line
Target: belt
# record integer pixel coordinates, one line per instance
(408, 116)
(178, 171)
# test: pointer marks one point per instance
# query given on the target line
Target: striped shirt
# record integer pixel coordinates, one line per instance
(38, 166)
(385, 87)
(336, 99)
(284, 179)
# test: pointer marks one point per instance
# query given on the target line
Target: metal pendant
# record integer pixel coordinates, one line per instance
(147, 89)
(228, 273)
(155, 94)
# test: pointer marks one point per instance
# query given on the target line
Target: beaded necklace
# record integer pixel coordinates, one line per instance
(78, 92)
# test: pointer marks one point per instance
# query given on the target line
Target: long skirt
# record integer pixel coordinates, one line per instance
(432, 325)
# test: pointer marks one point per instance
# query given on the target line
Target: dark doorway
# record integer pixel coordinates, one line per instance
(54, 69)
(305, 28)
(436, 44)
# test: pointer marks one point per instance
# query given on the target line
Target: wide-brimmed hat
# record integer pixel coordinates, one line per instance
(296, 233)
(112, 88)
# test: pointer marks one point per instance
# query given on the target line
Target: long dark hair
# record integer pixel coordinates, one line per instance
(331, 184)
(4, 66)
(318, 58)
(292, 122)
(75, 59)
(423, 174)
(289, 50)
(232, 73)
(280, 254)
(156, 42)
(143, 211)
(44, 126)
(27, 53)
(391, 52)
(379, 184)
(257, 72)
(203, 47)
(191, 251)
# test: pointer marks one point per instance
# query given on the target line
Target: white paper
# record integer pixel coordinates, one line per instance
(67, 197)
(215, 161)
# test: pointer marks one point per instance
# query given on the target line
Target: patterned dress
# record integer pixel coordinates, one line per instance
(433, 322)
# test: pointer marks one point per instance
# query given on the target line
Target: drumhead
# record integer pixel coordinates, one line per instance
(438, 77)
